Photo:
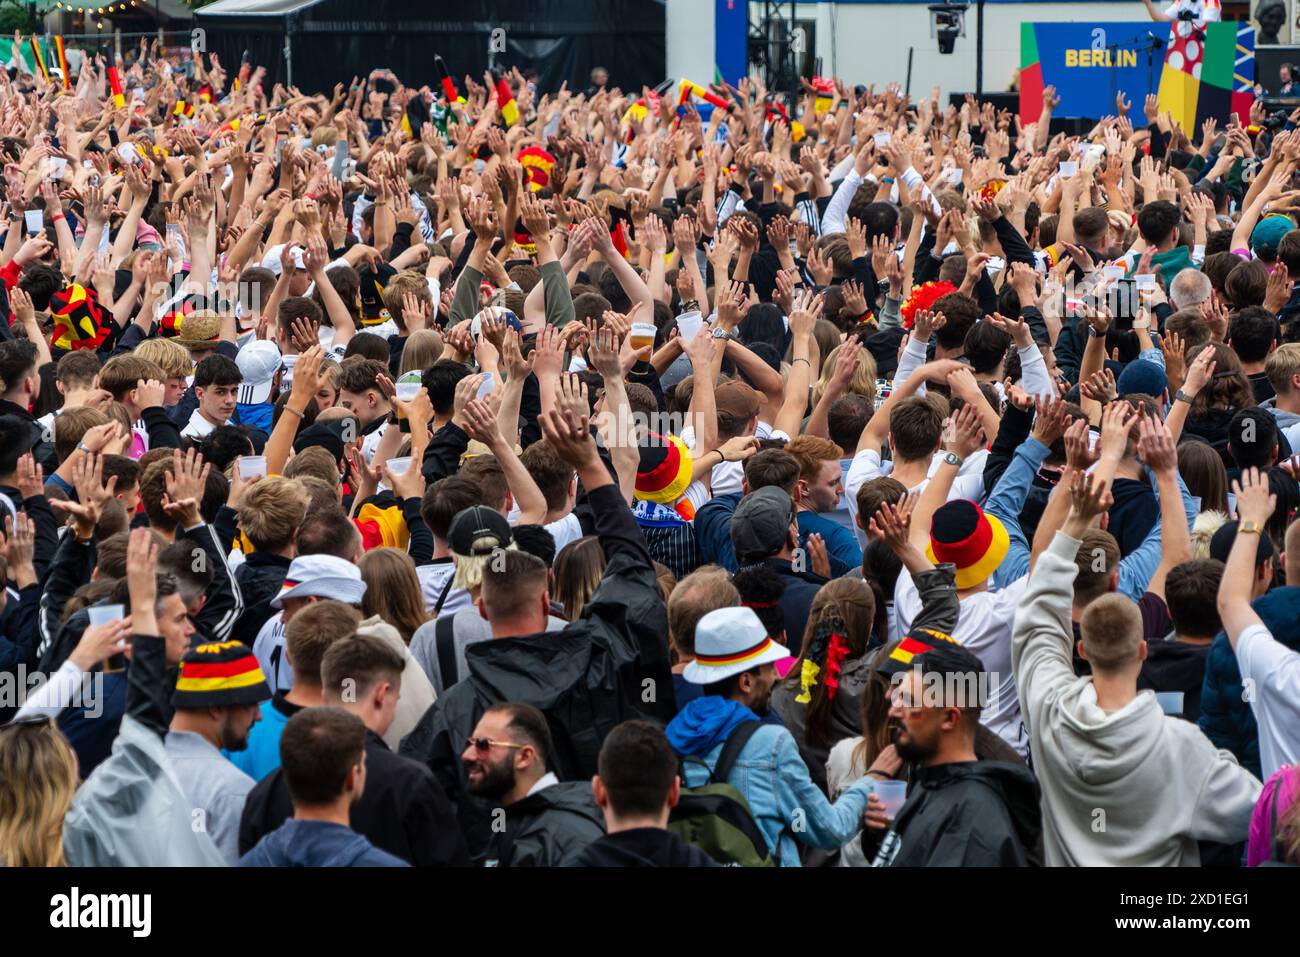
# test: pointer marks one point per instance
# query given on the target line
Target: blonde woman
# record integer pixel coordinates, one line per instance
(863, 382)
(422, 349)
(38, 777)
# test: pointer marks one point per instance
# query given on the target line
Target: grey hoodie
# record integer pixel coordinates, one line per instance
(1129, 787)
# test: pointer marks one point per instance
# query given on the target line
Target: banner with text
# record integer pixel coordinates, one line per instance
(1196, 70)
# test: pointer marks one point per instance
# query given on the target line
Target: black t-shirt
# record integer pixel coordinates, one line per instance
(1262, 387)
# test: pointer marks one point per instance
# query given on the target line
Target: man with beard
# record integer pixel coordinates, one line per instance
(735, 662)
(218, 699)
(322, 753)
(961, 812)
(547, 823)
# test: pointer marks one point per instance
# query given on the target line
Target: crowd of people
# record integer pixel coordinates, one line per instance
(480, 475)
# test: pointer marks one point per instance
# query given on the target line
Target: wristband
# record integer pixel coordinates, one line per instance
(801, 359)
(887, 179)
(291, 409)
(55, 219)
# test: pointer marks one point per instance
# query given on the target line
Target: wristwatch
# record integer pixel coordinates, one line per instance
(952, 458)
(720, 333)
(1181, 396)
(1248, 527)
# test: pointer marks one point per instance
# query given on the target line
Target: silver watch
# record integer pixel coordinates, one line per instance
(720, 333)
(952, 458)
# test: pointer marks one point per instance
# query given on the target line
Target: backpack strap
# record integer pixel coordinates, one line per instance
(736, 741)
(446, 590)
(444, 637)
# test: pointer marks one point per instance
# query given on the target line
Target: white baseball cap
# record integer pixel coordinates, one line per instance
(321, 576)
(259, 361)
(271, 260)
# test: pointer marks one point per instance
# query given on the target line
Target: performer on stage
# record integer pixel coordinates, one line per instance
(1198, 11)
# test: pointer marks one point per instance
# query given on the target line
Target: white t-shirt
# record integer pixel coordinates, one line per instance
(564, 530)
(268, 648)
(433, 579)
(983, 628)
(1270, 676)
(866, 465)
(370, 442)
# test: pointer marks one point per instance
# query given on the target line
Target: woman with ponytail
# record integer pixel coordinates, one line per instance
(820, 700)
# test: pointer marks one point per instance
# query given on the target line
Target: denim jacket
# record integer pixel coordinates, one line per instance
(785, 802)
(1008, 498)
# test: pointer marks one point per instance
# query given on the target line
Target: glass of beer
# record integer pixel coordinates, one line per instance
(643, 334)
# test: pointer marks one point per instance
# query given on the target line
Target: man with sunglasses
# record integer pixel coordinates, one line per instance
(960, 811)
(547, 823)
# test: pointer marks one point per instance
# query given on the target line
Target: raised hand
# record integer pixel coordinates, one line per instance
(186, 483)
(1255, 501)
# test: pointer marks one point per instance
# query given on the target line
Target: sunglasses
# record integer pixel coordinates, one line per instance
(487, 744)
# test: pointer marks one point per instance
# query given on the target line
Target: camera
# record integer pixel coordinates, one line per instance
(947, 23)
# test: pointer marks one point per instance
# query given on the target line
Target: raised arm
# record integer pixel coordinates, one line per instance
(803, 317)
(481, 424)
(1159, 451)
(965, 438)
(1255, 505)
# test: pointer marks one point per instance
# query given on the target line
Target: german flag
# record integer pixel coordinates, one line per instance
(183, 109)
(205, 93)
(381, 524)
(63, 62)
(914, 644)
(39, 58)
(444, 78)
(114, 84)
(506, 103)
(78, 319)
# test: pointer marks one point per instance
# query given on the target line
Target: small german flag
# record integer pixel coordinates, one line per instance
(78, 319)
(444, 77)
(183, 109)
(63, 61)
(39, 58)
(506, 103)
(245, 67)
(205, 93)
(114, 84)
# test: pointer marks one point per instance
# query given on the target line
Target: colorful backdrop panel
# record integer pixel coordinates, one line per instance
(1196, 71)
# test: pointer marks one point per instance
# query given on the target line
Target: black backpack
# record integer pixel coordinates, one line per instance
(715, 817)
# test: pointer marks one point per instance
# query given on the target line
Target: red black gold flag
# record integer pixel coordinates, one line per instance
(78, 319)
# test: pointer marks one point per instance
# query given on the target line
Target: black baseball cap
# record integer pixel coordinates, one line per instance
(478, 524)
(1221, 544)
